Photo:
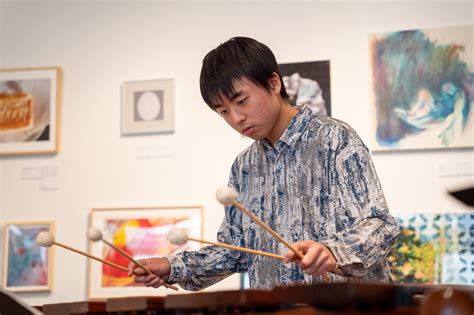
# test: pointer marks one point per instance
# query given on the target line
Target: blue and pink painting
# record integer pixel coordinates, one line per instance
(423, 88)
(28, 266)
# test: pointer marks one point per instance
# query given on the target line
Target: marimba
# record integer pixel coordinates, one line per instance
(327, 299)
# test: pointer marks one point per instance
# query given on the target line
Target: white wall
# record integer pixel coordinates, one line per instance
(101, 45)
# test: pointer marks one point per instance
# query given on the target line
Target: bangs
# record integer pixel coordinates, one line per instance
(215, 93)
(218, 77)
(237, 59)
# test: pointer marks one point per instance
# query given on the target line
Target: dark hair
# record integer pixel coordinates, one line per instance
(233, 60)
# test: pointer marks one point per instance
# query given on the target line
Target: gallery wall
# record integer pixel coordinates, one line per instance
(100, 45)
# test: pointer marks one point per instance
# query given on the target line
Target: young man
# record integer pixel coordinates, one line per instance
(310, 178)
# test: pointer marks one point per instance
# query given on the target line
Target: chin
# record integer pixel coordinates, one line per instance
(251, 137)
(254, 137)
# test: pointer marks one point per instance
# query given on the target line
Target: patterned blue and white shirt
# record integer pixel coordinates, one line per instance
(317, 183)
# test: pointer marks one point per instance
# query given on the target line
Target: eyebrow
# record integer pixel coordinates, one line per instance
(235, 95)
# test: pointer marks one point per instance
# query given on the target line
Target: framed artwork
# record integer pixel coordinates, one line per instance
(141, 233)
(308, 84)
(27, 266)
(29, 110)
(148, 107)
(434, 248)
(422, 88)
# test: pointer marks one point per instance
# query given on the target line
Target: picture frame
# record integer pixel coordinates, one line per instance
(141, 232)
(27, 266)
(30, 110)
(433, 248)
(148, 107)
(420, 89)
(308, 84)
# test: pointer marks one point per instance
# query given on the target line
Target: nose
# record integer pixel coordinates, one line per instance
(237, 115)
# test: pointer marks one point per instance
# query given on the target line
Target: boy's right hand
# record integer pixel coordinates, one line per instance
(160, 268)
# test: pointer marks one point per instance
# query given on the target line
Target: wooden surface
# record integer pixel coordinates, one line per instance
(320, 299)
(84, 307)
(57, 308)
(88, 307)
(238, 299)
(340, 295)
(138, 303)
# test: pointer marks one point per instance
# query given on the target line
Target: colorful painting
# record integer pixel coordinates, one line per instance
(434, 249)
(29, 110)
(423, 88)
(141, 233)
(27, 266)
(308, 84)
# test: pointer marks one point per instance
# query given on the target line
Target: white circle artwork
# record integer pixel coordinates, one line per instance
(148, 106)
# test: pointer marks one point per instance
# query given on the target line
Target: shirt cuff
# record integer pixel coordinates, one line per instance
(178, 270)
(348, 265)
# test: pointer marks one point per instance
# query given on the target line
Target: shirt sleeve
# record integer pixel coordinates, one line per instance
(195, 270)
(358, 197)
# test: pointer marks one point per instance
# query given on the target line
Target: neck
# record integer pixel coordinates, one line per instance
(287, 112)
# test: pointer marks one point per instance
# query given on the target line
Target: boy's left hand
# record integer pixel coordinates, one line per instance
(317, 259)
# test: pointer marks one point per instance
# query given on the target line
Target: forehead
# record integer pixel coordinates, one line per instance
(237, 87)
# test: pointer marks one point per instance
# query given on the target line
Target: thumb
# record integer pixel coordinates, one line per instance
(131, 267)
(302, 246)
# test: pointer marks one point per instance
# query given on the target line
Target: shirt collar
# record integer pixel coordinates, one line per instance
(293, 132)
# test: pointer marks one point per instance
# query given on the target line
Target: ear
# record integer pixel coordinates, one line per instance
(275, 83)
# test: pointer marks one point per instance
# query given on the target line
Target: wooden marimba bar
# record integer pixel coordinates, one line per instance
(321, 299)
(89, 307)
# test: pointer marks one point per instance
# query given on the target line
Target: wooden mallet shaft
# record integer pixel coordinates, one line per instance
(267, 228)
(242, 249)
(148, 271)
(275, 234)
(92, 257)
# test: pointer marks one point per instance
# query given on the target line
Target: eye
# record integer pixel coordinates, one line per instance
(242, 101)
(222, 112)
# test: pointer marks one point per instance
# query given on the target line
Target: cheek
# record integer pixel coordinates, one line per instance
(231, 124)
(266, 111)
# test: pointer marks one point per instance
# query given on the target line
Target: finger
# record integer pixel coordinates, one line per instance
(310, 257)
(323, 268)
(151, 277)
(160, 283)
(131, 267)
(299, 247)
(156, 282)
(303, 246)
(316, 267)
(140, 279)
(289, 256)
(139, 271)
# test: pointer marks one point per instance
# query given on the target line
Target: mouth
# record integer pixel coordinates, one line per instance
(247, 131)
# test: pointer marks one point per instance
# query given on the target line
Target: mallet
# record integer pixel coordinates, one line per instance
(228, 197)
(46, 239)
(95, 235)
(179, 236)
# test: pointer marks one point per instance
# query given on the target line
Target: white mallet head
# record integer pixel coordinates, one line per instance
(94, 234)
(226, 195)
(45, 239)
(177, 236)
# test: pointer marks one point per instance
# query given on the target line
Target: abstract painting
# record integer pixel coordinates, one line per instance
(308, 84)
(148, 107)
(434, 249)
(29, 111)
(27, 266)
(141, 233)
(423, 88)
